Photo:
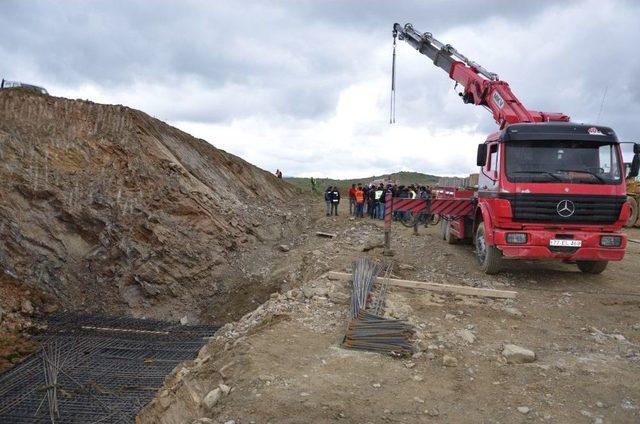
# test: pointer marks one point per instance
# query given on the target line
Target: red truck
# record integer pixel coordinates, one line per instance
(548, 188)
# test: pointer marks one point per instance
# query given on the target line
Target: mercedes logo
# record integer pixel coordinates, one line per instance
(565, 208)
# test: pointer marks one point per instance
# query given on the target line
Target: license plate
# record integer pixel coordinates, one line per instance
(565, 243)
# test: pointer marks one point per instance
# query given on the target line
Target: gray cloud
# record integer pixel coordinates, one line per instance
(289, 63)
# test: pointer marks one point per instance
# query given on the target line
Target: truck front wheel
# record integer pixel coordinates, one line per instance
(592, 267)
(489, 256)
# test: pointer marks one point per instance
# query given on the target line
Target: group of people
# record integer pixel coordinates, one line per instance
(370, 200)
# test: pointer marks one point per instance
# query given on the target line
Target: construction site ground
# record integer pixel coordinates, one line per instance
(282, 363)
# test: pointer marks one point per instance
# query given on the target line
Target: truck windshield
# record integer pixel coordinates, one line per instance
(563, 161)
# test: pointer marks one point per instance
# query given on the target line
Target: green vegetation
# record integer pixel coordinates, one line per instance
(403, 178)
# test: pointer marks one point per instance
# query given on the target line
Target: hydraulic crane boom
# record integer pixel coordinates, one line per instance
(481, 87)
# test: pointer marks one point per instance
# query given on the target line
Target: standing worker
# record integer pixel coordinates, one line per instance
(352, 200)
(327, 199)
(379, 196)
(335, 201)
(313, 184)
(371, 201)
(359, 197)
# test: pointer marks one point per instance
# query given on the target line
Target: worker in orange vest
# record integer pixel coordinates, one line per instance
(359, 198)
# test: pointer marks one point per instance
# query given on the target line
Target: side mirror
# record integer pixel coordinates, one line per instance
(481, 159)
(635, 163)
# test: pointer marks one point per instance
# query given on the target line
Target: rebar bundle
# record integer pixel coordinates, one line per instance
(374, 333)
(364, 274)
(378, 304)
(368, 330)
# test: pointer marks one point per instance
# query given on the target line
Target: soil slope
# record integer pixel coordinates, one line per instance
(104, 208)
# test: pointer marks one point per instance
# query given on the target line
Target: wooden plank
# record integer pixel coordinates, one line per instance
(634, 241)
(323, 234)
(447, 288)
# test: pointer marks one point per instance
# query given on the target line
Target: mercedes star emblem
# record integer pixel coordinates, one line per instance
(565, 208)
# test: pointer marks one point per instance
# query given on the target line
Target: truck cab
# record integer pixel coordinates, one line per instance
(551, 190)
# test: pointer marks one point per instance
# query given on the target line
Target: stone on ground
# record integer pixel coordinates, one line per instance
(515, 354)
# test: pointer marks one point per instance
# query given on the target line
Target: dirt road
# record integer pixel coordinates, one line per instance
(283, 363)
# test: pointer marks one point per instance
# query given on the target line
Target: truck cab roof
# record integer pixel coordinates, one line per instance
(558, 131)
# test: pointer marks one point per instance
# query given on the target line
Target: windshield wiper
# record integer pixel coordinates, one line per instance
(555, 177)
(584, 171)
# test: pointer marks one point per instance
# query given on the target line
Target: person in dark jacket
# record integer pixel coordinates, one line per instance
(327, 199)
(335, 201)
(371, 202)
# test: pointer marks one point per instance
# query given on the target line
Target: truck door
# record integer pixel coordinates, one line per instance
(490, 172)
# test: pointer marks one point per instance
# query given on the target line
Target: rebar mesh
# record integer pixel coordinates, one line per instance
(94, 369)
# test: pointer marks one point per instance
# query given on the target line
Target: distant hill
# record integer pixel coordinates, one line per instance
(403, 178)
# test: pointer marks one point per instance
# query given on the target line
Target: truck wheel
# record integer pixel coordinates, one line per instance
(592, 267)
(633, 216)
(489, 257)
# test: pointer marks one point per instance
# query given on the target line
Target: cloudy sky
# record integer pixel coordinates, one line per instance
(304, 85)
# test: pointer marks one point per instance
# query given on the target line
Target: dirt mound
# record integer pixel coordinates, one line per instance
(105, 208)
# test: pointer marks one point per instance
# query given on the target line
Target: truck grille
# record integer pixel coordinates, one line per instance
(553, 209)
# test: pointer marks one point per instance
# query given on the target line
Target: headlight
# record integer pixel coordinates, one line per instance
(517, 238)
(610, 241)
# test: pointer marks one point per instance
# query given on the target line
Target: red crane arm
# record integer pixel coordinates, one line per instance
(481, 87)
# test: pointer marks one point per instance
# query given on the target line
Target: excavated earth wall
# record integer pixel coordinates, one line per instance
(106, 209)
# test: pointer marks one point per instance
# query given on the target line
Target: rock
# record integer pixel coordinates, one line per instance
(339, 297)
(417, 378)
(308, 291)
(417, 399)
(599, 404)
(1, 313)
(466, 336)
(514, 312)
(26, 307)
(409, 364)
(317, 253)
(184, 320)
(433, 412)
(230, 422)
(377, 385)
(515, 354)
(406, 267)
(449, 361)
(203, 420)
(449, 316)
(284, 248)
(212, 398)
(224, 388)
(524, 410)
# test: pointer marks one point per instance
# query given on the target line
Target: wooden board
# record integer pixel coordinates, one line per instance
(323, 234)
(447, 288)
(634, 241)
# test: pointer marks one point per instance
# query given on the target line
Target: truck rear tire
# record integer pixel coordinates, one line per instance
(592, 267)
(633, 217)
(489, 256)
